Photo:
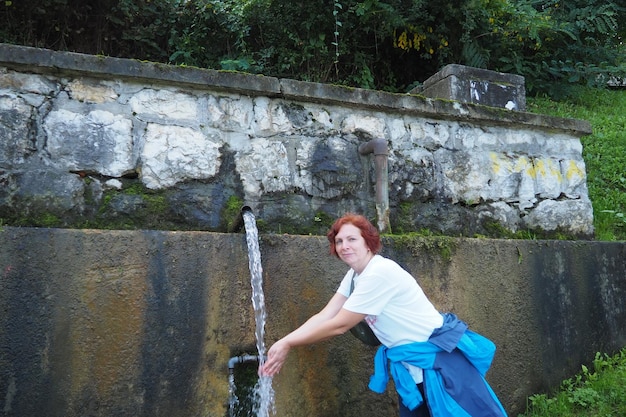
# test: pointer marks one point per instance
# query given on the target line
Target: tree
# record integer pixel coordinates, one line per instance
(381, 44)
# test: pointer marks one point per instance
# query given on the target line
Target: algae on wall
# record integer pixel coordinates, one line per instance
(176, 305)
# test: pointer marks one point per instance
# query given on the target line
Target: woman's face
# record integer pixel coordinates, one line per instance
(351, 247)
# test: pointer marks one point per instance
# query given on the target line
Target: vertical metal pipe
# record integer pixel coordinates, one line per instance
(382, 192)
(381, 156)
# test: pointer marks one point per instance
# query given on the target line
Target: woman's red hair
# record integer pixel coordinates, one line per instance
(368, 231)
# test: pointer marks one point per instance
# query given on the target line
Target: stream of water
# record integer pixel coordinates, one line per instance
(263, 403)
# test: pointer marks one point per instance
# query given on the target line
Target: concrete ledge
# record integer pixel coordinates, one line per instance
(41, 60)
(416, 104)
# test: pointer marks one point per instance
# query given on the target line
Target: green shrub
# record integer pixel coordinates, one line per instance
(601, 392)
(390, 45)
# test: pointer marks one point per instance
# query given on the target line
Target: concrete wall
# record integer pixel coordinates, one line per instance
(87, 140)
(142, 323)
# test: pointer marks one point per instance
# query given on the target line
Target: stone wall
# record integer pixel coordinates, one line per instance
(91, 141)
(143, 323)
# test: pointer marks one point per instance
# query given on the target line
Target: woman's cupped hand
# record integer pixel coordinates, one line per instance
(276, 357)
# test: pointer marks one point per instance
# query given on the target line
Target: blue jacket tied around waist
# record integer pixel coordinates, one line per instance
(455, 361)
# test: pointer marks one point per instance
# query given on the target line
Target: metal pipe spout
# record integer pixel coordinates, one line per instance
(241, 359)
(375, 146)
(238, 222)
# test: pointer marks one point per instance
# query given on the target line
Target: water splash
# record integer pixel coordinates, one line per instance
(233, 401)
(263, 391)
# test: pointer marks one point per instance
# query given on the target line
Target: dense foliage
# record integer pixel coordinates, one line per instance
(389, 45)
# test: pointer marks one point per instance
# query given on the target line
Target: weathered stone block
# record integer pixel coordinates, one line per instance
(15, 141)
(98, 141)
(173, 154)
(477, 86)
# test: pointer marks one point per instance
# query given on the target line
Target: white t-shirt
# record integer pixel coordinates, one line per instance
(397, 309)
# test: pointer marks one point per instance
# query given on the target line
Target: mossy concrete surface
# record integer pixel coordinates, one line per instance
(142, 323)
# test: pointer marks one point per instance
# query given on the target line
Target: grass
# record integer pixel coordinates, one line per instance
(600, 392)
(604, 152)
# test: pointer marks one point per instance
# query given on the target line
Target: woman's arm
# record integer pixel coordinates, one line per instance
(331, 321)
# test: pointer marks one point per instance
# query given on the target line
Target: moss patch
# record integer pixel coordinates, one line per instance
(231, 214)
(442, 246)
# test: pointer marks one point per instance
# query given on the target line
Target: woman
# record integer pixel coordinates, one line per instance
(394, 306)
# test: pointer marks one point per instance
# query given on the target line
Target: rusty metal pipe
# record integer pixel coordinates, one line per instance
(380, 149)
